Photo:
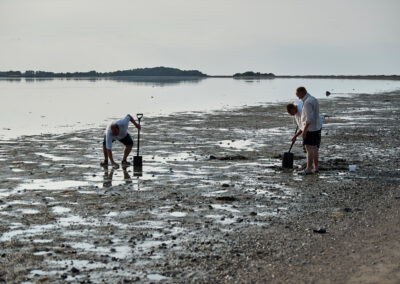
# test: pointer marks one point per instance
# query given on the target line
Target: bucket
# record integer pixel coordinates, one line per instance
(287, 161)
(352, 168)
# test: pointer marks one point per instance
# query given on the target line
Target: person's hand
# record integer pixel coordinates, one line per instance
(294, 138)
(138, 126)
(115, 165)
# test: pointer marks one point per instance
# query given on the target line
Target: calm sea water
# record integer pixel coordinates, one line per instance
(60, 105)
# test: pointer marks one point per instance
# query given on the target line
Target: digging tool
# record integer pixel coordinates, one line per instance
(287, 161)
(137, 160)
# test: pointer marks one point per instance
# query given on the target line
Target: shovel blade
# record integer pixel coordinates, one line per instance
(287, 161)
(137, 161)
(137, 166)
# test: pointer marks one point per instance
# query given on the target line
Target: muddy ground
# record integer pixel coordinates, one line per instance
(212, 205)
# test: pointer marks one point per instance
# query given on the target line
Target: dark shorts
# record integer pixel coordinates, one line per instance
(127, 140)
(313, 138)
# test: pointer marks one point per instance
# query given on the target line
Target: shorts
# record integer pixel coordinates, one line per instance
(127, 140)
(313, 138)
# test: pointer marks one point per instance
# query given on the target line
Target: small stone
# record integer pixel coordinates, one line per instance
(319, 231)
(74, 270)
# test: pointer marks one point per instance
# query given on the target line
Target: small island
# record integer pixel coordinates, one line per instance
(253, 75)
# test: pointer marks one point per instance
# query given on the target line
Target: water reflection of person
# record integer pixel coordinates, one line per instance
(108, 176)
(127, 177)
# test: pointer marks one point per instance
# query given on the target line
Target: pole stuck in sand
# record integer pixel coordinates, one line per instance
(137, 160)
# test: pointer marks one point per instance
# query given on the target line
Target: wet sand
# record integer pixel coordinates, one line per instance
(235, 217)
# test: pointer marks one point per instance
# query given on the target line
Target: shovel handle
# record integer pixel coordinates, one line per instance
(139, 116)
(297, 127)
(291, 146)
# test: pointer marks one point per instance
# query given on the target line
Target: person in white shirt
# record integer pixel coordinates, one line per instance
(296, 109)
(118, 130)
(310, 125)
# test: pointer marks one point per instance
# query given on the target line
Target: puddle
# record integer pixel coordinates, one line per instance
(178, 214)
(42, 241)
(236, 145)
(156, 277)
(54, 158)
(51, 184)
(29, 232)
(28, 211)
(60, 210)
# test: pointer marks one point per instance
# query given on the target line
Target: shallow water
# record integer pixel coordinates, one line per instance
(60, 105)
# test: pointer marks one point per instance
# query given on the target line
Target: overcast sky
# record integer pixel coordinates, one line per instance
(214, 36)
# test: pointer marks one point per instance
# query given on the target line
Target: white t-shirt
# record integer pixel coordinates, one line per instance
(297, 116)
(123, 131)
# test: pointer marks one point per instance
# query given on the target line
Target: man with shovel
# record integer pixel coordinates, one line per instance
(310, 129)
(296, 110)
(118, 130)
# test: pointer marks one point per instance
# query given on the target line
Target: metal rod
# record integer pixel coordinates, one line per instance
(138, 140)
(297, 127)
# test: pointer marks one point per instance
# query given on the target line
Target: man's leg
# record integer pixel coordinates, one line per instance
(105, 154)
(127, 150)
(128, 142)
(310, 157)
(315, 158)
(105, 162)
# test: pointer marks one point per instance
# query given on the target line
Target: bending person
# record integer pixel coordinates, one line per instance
(118, 130)
(295, 109)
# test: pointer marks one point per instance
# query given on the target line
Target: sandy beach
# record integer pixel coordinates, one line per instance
(213, 204)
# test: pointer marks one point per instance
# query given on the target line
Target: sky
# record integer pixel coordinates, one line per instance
(217, 37)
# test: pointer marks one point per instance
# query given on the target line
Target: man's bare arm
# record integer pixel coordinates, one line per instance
(110, 156)
(134, 122)
(296, 135)
(305, 130)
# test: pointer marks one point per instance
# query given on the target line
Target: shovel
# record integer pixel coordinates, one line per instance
(137, 160)
(287, 161)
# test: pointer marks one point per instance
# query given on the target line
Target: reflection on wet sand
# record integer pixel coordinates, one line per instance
(108, 176)
(159, 81)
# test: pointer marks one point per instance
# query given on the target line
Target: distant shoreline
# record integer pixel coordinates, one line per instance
(175, 73)
(352, 77)
(184, 77)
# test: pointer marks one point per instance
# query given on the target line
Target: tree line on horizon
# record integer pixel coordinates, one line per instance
(156, 71)
(254, 74)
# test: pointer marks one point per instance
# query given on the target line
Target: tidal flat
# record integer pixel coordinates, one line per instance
(212, 204)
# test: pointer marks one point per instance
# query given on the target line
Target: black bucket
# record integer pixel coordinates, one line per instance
(287, 161)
